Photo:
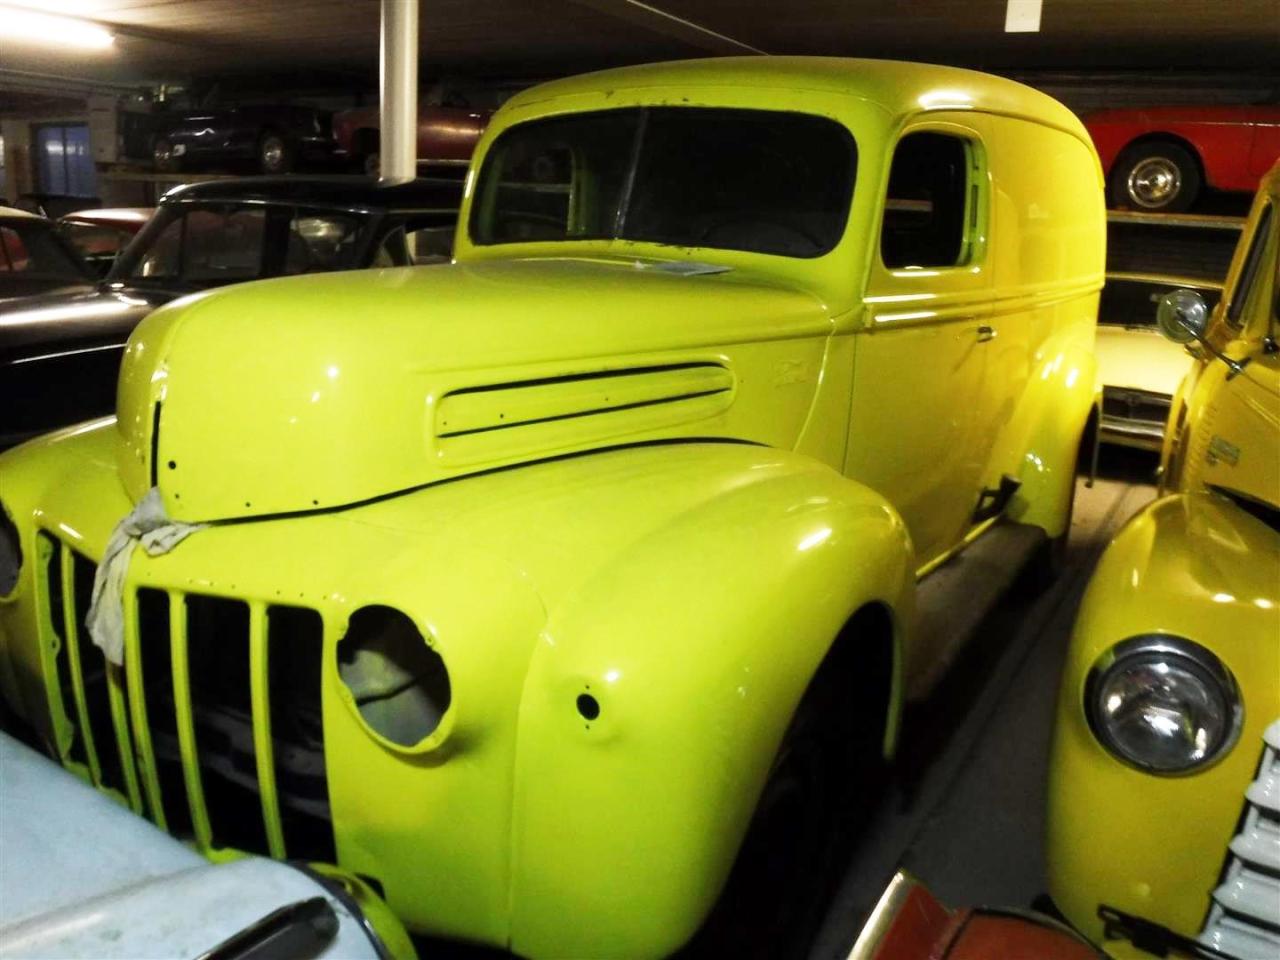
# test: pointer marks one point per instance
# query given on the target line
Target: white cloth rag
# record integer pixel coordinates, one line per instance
(146, 523)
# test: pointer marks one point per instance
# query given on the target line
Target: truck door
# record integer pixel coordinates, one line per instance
(919, 361)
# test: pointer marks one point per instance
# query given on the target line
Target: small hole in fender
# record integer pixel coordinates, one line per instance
(588, 706)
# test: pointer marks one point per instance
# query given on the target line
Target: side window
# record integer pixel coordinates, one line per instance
(1252, 268)
(931, 209)
(319, 242)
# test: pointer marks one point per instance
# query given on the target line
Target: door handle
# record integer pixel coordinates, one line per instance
(986, 333)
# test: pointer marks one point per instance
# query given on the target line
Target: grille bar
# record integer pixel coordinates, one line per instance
(263, 750)
(68, 719)
(144, 754)
(214, 724)
(185, 720)
(1244, 916)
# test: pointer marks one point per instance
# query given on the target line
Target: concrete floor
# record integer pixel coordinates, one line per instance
(966, 813)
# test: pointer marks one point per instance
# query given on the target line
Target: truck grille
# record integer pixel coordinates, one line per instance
(213, 726)
(1244, 917)
(1139, 405)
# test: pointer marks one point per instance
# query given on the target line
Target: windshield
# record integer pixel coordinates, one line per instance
(192, 245)
(754, 180)
(1133, 303)
(29, 249)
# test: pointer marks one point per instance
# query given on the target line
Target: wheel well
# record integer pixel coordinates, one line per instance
(864, 656)
(1161, 137)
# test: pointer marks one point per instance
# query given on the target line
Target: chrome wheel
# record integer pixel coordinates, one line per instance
(1154, 182)
(163, 155)
(272, 154)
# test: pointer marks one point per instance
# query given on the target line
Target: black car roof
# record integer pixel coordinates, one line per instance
(424, 193)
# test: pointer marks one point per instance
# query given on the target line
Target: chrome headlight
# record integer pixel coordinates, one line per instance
(1164, 704)
(10, 553)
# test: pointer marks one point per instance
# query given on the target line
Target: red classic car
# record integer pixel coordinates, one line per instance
(1159, 158)
(445, 135)
(910, 923)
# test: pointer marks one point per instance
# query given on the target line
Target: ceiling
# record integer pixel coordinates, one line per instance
(175, 39)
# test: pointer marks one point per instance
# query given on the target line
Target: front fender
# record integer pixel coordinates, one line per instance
(659, 693)
(1198, 567)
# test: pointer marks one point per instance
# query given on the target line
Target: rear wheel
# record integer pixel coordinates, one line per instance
(163, 156)
(1155, 176)
(275, 154)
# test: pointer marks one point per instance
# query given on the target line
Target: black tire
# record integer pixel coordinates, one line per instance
(826, 777)
(163, 157)
(275, 153)
(1155, 176)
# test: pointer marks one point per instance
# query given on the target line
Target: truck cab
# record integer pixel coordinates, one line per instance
(526, 584)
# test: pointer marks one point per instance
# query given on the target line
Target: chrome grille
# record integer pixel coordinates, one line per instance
(1138, 405)
(1244, 917)
(213, 724)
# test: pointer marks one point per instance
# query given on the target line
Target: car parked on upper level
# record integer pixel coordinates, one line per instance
(36, 259)
(61, 350)
(446, 135)
(1160, 158)
(1164, 789)
(100, 234)
(270, 138)
(567, 585)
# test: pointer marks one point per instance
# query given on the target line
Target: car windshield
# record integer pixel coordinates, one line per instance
(198, 245)
(1133, 303)
(29, 249)
(754, 180)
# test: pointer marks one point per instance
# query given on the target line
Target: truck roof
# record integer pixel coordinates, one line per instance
(900, 87)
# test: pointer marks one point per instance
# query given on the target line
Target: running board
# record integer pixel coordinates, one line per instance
(953, 600)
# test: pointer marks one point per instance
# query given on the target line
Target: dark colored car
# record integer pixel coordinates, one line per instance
(35, 259)
(272, 138)
(100, 235)
(60, 353)
(446, 135)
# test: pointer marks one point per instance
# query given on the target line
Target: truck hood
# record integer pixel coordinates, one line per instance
(311, 393)
(1139, 359)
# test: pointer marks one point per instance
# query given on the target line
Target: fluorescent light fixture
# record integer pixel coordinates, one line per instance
(51, 29)
(1022, 16)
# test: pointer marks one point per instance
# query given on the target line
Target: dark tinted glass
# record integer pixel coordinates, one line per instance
(751, 180)
(30, 248)
(924, 223)
(205, 245)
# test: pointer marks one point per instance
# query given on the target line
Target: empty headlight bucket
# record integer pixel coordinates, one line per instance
(394, 679)
(1163, 704)
(10, 553)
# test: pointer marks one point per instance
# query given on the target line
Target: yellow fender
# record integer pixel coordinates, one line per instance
(1199, 567)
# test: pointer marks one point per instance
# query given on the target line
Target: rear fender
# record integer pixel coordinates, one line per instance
(1042, 440)
(659, 693)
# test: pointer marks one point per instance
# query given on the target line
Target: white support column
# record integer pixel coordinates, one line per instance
(399, 87)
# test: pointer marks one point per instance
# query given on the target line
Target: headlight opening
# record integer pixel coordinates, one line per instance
(1163, 704)
(394, 677)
